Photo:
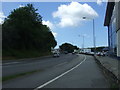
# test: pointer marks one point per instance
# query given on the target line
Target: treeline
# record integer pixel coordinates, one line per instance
(68, 47)
(23, 31)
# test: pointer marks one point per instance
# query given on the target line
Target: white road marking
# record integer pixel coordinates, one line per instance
(41, 86)
(10, 63)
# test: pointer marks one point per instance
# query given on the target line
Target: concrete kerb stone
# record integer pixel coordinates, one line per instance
(109, 73)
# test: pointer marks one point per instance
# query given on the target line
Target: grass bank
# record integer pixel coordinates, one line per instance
(18, 75)
(14, 54)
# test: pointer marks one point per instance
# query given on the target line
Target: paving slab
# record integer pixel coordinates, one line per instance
(110, 64)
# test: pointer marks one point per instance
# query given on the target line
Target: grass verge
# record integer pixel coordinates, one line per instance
(14, 54)
(18, 75)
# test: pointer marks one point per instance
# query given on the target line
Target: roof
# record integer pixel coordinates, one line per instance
(109, 10)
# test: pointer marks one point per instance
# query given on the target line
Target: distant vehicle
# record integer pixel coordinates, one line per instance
(100, 54)
(106, 53)
(56, 54)
(65, 52)
(91, 52)
(73, 52)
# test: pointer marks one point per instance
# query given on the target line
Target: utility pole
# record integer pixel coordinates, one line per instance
(83, 40)
(94, 41)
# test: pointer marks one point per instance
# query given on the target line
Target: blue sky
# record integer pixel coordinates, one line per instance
(69, 31)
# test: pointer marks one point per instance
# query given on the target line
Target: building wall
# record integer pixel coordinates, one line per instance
(112, 20)
(118, 41)
(112, 34)
(118, 27)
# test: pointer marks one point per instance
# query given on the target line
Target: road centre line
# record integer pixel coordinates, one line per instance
(60, 64)
(43, 85)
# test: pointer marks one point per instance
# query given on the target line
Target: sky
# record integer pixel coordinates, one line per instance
(66, 22)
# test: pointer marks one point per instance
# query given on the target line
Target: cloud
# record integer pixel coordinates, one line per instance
(2, 16)
(99, 2)
(48, 23)
(55, 34)
(21, 6)
(72, 14)
(51, 26)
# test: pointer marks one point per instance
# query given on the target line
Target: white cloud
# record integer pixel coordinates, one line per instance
(72, 14)
(2, 16)
(48, 23)
(51, 26)
(55, 34)
(99, 2)
(21, 6)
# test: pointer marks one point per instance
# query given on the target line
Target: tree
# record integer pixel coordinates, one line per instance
(68, 47)
(23, 30)
(75, 47)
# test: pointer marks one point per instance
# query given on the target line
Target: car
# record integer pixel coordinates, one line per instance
(73, 52)
(106, 53)
(56, 54)
(65, 52)
(100, 54)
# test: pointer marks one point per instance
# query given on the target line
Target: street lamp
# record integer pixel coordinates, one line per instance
(93, 35)
(83, 39)
(83, 36)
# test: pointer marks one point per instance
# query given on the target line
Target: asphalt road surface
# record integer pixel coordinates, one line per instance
(17, 67)
(67, 71)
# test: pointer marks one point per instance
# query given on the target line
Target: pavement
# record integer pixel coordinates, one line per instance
(68, 71)
(111, 64)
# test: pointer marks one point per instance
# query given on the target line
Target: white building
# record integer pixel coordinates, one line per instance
(85, 50)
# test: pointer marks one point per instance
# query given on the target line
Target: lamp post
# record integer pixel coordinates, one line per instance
(94, 44)
(83, 40)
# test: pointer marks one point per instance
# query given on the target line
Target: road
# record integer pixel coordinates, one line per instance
(67, 71)
(16, 67)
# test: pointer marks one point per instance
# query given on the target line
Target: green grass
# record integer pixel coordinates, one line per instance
(18, 75)
(14, 54)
